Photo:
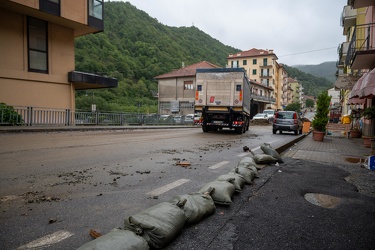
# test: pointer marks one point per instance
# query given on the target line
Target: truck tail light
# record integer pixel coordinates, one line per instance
(295, 118)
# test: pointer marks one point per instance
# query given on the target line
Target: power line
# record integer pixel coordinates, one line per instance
(311, 51)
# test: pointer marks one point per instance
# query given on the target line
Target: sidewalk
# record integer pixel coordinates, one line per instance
(316, 199)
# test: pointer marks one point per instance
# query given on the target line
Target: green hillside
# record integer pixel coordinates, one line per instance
(312, 85)
(134, 48)
(325, 70)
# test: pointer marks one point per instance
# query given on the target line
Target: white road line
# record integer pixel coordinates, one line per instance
(167, 187)
(47, 240)
(218, 165)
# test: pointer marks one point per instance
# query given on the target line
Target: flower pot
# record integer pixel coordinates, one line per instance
(355, 133)
(367, 141)
(318, 135)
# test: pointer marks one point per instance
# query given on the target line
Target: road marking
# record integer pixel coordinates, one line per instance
(167, 187)
(48, 240)
(218, 165)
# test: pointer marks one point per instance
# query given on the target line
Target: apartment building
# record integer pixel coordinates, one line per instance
(261, 67)
(356, 62)
(37, 49)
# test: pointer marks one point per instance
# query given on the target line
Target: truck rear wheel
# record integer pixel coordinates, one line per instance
(239, 130)
(205, 128)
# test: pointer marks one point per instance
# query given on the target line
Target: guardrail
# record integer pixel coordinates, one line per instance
(33, 116)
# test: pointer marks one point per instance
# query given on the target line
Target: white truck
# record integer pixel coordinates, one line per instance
(223, 97)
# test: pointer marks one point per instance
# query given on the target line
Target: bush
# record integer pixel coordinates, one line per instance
(8, 116)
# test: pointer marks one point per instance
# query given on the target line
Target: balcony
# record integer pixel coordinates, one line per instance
(360, 3)
(265, 75)
(361, 51)
(342, 51)
(266, 64)
(348, 18)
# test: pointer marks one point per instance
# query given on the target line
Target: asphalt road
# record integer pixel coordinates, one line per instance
(59, 185)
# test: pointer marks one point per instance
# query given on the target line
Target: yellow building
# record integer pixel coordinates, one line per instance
(261, 67)
(37, 67)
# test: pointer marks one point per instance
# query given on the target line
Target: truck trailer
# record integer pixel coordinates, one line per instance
(222, 95)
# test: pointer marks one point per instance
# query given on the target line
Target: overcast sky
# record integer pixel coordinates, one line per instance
(299, 31)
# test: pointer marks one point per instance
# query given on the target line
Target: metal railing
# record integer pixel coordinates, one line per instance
(33, 116)
(362, 40)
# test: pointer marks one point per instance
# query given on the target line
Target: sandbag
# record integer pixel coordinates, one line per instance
(263, 158)
(159, 224)
(117, 239)
(267, 149)
(249, 161)
(197, 206)
(245, 172)
(238, 181)
(222, 191)
(251, 167)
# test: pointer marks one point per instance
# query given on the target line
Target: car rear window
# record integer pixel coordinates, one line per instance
(285, 115)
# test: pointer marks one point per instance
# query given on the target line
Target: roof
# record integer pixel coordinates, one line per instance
(252, 53)
(261, 85)
(187, 71)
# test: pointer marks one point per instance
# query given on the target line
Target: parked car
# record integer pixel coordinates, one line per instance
(287, 121)
(189, 119)
(197, 118)
(260, 116)
(270, 114)
(178, 119)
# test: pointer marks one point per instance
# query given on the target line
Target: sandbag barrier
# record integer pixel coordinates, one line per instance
(158, 225)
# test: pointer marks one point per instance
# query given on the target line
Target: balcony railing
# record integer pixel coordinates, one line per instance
(348, 16)
(361, 50)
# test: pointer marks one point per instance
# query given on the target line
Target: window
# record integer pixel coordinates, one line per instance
(188, 85)
(264, 61)
(199, 87)
(96, 9)
(37, 45)
(254, 71)
(238, 87)
(50, 6)
(244, 62)
(96, 14)
(254, 61)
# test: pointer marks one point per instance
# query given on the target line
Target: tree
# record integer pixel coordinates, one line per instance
(322, 109)
(309, 103)
(295, 106)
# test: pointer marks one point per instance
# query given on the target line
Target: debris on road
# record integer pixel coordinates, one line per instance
(95, 234)
(183, 163)
(111, 172)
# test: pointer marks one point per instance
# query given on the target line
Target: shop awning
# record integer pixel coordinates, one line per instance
(364, 87)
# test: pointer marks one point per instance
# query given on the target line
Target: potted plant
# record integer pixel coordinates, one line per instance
(355, 131)
(321, 116)
(368, 113)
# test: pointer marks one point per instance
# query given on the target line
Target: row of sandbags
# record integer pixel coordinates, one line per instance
(158, 225)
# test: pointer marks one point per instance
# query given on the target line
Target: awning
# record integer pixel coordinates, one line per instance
(358, 85)
(356, 100)
(82, 80)
(368, 87)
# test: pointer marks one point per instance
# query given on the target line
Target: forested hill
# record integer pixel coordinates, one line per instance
(326, 70)
(134, 48)
(312, 85)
